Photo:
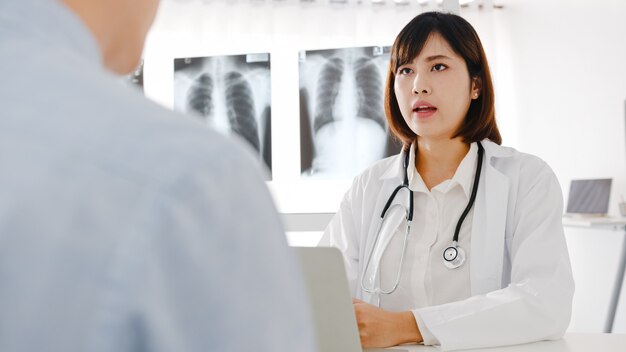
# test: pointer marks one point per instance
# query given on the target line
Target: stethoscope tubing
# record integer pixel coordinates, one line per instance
(467, 209)
(379, 290)
(452, 264)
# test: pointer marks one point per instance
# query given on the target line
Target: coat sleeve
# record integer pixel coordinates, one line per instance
(537, 304)
(343, 232)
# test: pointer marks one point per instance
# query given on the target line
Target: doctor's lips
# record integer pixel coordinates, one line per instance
(423, 108)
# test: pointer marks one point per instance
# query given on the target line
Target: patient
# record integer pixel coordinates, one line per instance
(124, 227)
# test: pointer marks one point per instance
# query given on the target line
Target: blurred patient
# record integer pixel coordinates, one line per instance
(124, 227)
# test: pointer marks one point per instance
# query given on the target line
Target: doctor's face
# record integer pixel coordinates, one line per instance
(434, 91)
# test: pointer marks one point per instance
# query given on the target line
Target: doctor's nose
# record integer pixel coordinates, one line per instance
(420, 87)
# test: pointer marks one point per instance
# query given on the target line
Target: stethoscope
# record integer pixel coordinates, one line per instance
(453, 256)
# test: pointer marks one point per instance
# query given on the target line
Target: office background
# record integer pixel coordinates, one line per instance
(559, 74)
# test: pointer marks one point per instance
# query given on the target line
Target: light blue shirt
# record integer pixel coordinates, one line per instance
(124, 226)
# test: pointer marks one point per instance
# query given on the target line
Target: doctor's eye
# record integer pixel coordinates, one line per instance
(439, 67)
(404, 71)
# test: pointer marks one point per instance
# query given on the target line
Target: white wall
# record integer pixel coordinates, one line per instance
(567, 66)
(560, 82)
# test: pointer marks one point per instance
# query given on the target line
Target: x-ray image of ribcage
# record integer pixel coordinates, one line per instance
(343, 128)
(230, 94)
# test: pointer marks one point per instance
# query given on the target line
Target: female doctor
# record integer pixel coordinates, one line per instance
(457, 241)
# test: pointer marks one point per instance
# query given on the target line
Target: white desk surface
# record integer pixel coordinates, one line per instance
(601, 221)
(569, 343)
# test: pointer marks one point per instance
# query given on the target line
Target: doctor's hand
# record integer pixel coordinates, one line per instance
(381, 328)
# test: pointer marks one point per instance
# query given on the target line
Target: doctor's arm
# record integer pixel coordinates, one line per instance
(536, 305)
(377, 327)
(381, 328)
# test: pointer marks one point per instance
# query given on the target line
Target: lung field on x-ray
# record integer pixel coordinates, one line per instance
(229, 93)
(370, 90)
(240, 108)
(328, 84)
(200, 95)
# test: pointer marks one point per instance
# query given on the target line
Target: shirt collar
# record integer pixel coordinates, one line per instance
(464, 175)
(492, 150)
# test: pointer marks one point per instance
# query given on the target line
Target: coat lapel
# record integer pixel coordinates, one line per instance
(488, 229)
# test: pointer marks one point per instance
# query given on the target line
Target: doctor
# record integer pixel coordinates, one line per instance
(457, 241)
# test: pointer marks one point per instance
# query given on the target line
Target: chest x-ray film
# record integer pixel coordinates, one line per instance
(343, 128)
(230, 94)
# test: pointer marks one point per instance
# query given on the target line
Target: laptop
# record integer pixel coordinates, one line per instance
(589, 198)
(326, 281)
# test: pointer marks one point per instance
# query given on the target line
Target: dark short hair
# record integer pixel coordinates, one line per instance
(480, 121)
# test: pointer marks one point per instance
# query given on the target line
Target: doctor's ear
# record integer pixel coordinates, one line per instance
(476, 87)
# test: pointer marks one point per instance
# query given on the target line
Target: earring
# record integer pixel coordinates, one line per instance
(475, 95)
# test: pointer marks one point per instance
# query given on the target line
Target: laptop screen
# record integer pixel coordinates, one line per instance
(589, 196)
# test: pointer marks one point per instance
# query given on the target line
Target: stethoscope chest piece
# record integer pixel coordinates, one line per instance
(453, 256)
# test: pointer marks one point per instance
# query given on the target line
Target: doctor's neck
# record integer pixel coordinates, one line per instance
(440, 155)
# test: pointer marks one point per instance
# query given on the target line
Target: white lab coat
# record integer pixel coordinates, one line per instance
(520, 273)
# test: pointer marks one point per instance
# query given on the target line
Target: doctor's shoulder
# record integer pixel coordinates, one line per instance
(374, 174)
(367, 184)
(523, 170)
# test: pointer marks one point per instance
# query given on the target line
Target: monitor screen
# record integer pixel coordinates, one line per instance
(589, 196)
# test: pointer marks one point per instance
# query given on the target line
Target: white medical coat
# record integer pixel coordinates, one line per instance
(520, 273)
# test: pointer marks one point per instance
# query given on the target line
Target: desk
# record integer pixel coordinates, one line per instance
(608, 223)
(569, 343)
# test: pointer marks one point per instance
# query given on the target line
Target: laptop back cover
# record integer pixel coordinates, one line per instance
(327, 284)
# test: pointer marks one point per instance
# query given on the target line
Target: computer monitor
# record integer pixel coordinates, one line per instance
(589, 197)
